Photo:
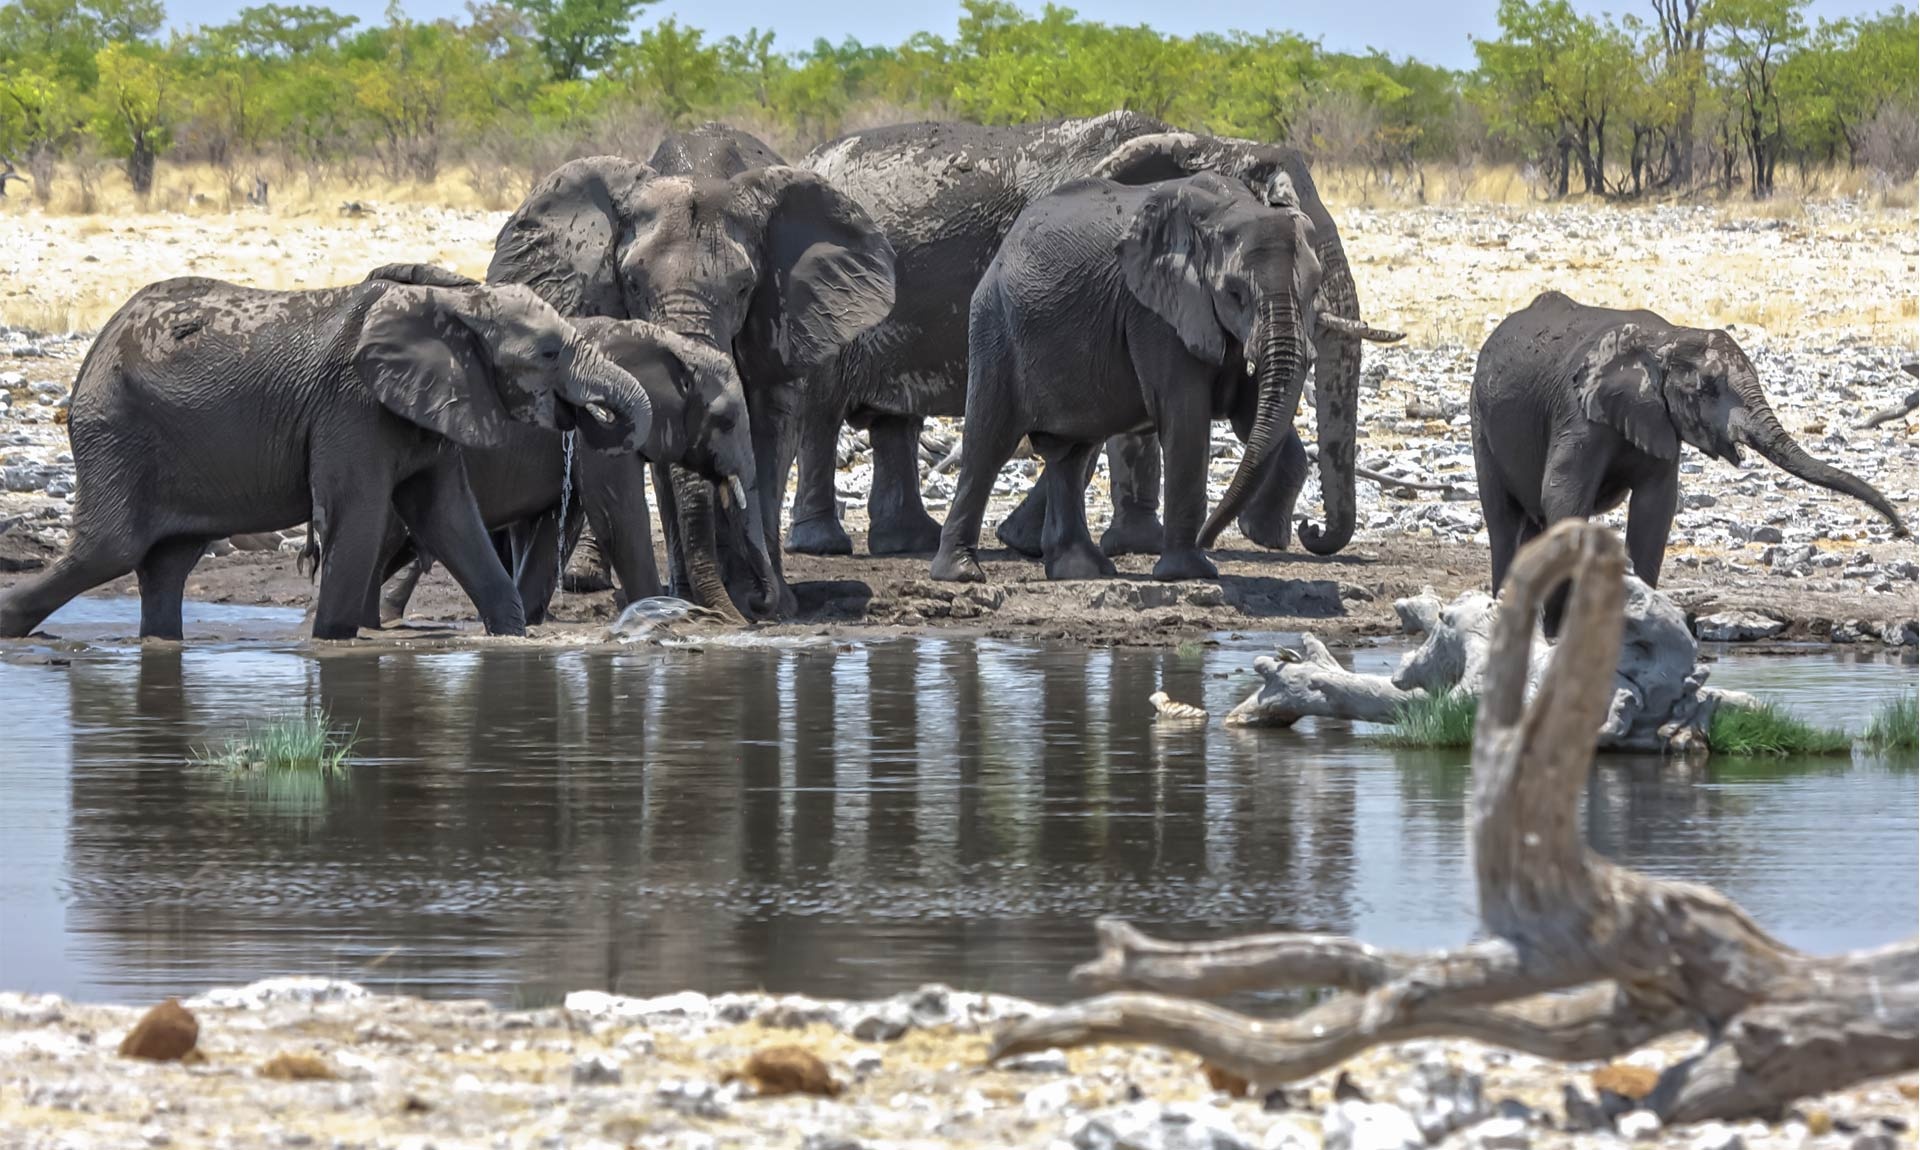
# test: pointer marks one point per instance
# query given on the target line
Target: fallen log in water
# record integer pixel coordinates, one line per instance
(1585, 960)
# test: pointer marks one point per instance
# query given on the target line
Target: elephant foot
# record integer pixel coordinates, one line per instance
(959, 565)
(1020, 530)
(1184, 563)
(914, 537)
(1081, 561)
(822, 536)
(336, 630)
(1133, 533)
(586, 573)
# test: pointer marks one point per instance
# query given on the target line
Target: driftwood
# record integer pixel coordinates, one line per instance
(1586, 960)
(1660, 700)
(1898, 411)
(1385, 480)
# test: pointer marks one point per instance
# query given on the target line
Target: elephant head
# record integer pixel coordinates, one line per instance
(1227, 271)
(1660, 387)
(1274, 174)
(463, 360)
(771, 267)
(700, 425)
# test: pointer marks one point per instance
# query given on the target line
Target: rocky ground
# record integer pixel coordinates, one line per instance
(1820, 295)
(313, 1062)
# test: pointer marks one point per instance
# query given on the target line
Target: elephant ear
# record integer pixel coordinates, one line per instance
(826, 272)
(1163, 258)
(1621, 386)
(563, 240)
(427, 366)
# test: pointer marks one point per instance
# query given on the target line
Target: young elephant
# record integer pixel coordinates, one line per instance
(205, 409)
(1112, 309)
(1575, 408)
(700, 428)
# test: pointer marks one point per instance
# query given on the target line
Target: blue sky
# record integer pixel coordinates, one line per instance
(1434, 30)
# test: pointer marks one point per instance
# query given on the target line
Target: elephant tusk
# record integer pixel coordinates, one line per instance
(1360, 330)
(601, 414)
(736, 491)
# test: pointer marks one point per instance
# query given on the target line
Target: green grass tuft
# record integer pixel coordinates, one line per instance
(303, 743)
(1434, 721)
(1895, 725)
(1769, 730)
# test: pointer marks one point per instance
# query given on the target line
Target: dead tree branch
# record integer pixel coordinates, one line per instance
(1586, 959)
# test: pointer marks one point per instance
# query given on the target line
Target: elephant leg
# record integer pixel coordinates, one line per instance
(773, 449)
(1570, 490)
(1133, 470)
(1067, 547)
(897, 521)
(437, 506)
(678, 584)
(587, 566)
(1182, 417)
(92, 559)
(984, 449)
(1649, 520)
(351, 549)
(1021, 530)
(163, 584)
(1504, 517)
(536, 560)
(400, 585)
(816, 528)
(617, 511)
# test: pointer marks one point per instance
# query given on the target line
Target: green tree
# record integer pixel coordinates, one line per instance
(579, 36)
(1754, 39)
(672, 70)
(134, 107)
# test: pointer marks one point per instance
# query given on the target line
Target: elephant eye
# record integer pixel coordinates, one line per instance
(723, 422)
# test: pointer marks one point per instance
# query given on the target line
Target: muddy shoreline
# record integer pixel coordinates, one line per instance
(1343, 599)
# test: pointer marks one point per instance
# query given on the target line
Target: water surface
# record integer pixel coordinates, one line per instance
(845, 820)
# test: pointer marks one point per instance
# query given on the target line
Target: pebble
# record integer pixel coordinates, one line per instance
(1736, 627)
(1716, 1136)
(1039, 1062)
(1356, 1125)
(597, 1070)
(1154, 1126)
(1638, 1125)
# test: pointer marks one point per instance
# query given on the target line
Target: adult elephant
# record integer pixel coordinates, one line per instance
(766, 264)
(532, 487)
(946, 194)
(1110, 309)
(205, 410)
(1576, 409)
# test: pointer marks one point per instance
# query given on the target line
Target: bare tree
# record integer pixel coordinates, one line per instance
(1584, 960)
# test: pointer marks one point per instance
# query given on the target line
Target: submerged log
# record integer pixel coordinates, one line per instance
(1585, 960)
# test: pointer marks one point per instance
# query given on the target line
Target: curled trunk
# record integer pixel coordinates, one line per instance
(1763, 432)
(693, 504)
(614, 413)
(1280, 375)
(1336, 403)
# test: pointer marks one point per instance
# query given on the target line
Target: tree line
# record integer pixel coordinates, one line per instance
(1696, 95)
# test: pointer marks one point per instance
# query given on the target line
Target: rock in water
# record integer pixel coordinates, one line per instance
(778, 1070)
(167, 1033)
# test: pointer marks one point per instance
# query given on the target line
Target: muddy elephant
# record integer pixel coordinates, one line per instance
(1113, 309)
(537, 492)
(946, 193)
(205, 410)
(1576, 409)
(766, 264)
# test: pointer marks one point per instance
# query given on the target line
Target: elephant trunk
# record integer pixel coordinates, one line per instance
(744, 520)
(1336, 402)
(1281, 373)
(610, 407)
(693, 501)
(1760, 428)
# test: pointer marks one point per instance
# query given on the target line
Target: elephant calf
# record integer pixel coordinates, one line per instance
(1576, 408)
(1113, 308)
(205, 410)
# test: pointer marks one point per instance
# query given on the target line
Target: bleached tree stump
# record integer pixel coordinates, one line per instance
(1586, 960)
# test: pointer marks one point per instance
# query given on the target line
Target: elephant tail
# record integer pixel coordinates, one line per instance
(308, 563)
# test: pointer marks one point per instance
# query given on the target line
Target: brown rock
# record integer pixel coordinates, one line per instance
(291, 1067)
(166, 1033)
(1226, 1081)
(788, 1070)
(1631, 1082)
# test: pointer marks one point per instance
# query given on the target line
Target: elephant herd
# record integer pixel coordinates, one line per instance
(717, 315)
